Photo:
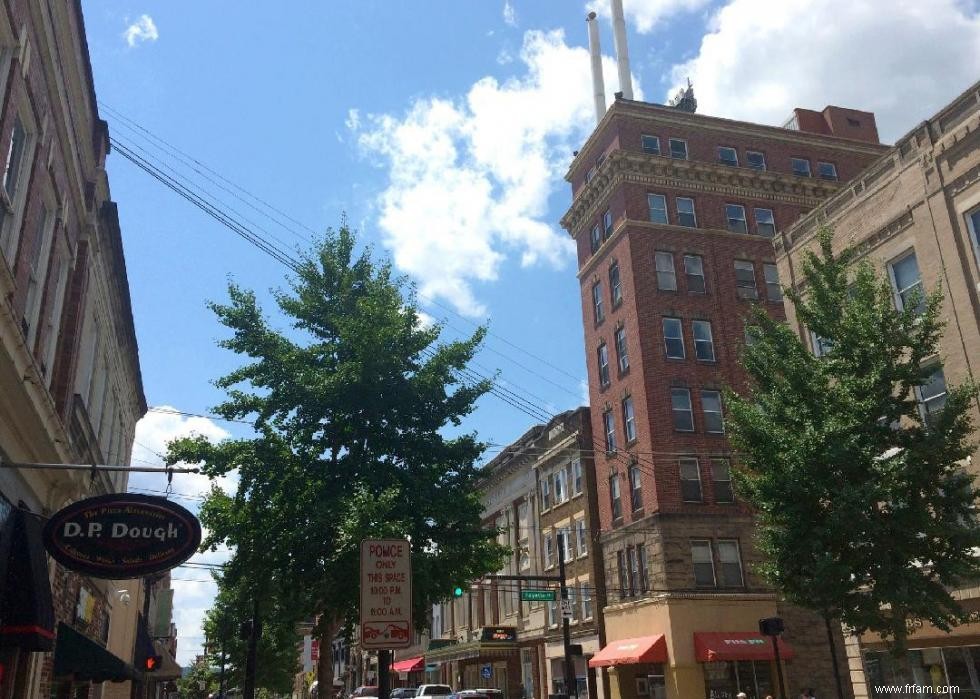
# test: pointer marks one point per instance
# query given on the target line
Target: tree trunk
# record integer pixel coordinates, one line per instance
(324, 632)
(833, 655)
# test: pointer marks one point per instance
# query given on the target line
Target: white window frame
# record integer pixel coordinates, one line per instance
(598, 314)
(602, 358)
(832, 166)
(742, 289)
(595, 238)
(760, 223)
(923, 401)
(728, 481)
(546, 494)
(615, 496)
(549, 549)
(704, 325)
(585, 594)
(609, 430)
(688, 274)
(38, 273)
(730, 544)
(670, 146)
(774, 290)
(973, 226)
(635, 477)
(690, 461)
(653, 204)
(702, 544)
(736, 218)
(561, 486)
(685, 393)
(734, 153)
(748, 161)
(54, 311)
(615, 284)
(793, 161)
(11, 221)
(622, 350)
(896, 291)
(662, 255)
(681, 214)
(577, 477)
(607, 224)
(720, 412)
(656, 139)
(582, 537)
(629, 419)
(679, 324)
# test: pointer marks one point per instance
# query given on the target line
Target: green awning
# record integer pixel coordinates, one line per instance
(83, 659)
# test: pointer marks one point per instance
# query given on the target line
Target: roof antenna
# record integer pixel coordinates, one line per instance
(622, 51)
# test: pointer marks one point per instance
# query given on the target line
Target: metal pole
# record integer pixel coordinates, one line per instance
(384, 674)
(248, 691)
(98, 467)
(779, 667)
(571, 686)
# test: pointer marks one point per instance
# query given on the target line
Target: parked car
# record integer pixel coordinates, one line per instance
(365, 692)
(490, 693)
(434, 691)
(404, 692)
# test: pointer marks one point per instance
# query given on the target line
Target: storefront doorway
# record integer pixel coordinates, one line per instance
(725, 679)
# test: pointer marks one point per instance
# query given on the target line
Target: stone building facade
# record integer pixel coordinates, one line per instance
(673, 216)
(914, 213)
(70, 384)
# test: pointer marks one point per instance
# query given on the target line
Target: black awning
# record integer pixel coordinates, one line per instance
(83, 659)
(26, 611)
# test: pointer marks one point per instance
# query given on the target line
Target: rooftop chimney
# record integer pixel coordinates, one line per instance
(622, 52)
(595, 53)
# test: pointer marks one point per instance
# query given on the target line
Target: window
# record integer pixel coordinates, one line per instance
(932, 394)
(704, 566)
(629, 419)
(765, 223)
(680, 401)
(595, 238)
(755, 160)
(561, 486)
(607, 224)
(820, 345)
(801, 167)
(545, 493)
(583, 537)
(658, 208)
(973, 223)
(15, 156)
(673, 338)
(597, 313)
(636, 487)
(690, 480)
(745, 280)
(622, 573)
(651, 144)
(678, 148)
(573, 603)
(603, 359)
(694, 271)
(553, 613)
(711, 406)
(721, 477)
(609, 426)
(704, 346)
(37, 274)
(685, 212)
(614, 498)
(615, 286)
(735, 214)
(666, 276)
(727, 156)
(566, 543)
(827, 171)
(774, 292)
(577, 476)
(907, 283)
(585, 594)
(729, 564)
(641, 558)
(622, 355)
(590, 174)
(549, 550)
(524, 547)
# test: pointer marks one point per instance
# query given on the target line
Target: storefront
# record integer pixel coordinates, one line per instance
(555, 657)
(410, 671)
(492, 662)
(929, 670)
(739, 662)
(638, 662)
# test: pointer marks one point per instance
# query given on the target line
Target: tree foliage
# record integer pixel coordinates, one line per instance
(350, 407)
(865, 511)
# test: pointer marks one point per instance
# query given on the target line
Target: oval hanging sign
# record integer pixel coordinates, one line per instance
(123, 535)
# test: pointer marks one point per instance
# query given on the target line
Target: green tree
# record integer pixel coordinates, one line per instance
(865, 512)
(350, 409)
(200, 682)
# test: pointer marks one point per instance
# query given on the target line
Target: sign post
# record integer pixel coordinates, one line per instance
(386, 601)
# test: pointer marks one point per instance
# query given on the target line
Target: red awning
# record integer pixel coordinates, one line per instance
(410, 665)
(737, 645)
(630, 651)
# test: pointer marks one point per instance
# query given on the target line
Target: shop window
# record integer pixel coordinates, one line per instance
(728, 678)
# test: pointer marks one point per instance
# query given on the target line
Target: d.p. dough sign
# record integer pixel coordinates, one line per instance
(122, 536)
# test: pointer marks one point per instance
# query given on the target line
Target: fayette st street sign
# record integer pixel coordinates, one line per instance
(122, 536)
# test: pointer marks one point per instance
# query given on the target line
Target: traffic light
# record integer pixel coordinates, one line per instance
(458, 591)
(152, 663)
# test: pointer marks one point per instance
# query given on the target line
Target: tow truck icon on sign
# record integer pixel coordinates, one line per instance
(379, 632)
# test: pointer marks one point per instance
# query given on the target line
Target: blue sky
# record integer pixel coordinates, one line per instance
(443, 130)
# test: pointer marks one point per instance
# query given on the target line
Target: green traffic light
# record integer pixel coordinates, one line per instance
(457, 591)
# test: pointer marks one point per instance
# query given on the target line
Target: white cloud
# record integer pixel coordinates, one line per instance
(141, 30)
(469, 179)
(510, 15)
(901, 59)
(643, 15)
(191, 599)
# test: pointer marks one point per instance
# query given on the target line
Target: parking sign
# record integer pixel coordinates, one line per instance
(386, 593)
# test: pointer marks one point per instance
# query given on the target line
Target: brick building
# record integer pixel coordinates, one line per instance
(915, 214)
(673, 215)
(70, 385)
(537, 490)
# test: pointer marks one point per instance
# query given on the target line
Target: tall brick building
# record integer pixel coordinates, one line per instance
(915, 215)
(70, 384)
(673, 215)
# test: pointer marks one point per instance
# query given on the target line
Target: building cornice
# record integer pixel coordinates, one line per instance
(626, 167)
(669, 116)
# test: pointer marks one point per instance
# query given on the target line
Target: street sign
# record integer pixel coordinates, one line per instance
(566, 609)
(538, 595)
(486, 671)
(386, 594)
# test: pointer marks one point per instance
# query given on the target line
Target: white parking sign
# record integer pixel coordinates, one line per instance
(386, 593)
